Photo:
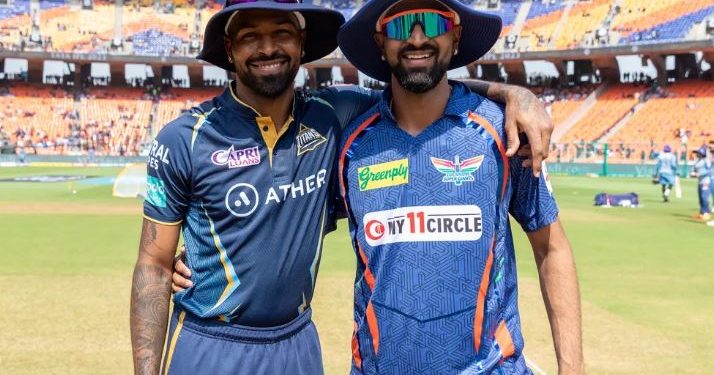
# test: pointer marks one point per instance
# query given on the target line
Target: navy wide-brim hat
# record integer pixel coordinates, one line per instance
(479, 33)
(321, 25)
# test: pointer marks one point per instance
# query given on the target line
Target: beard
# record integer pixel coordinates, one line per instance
(272, 85)
(420, 80)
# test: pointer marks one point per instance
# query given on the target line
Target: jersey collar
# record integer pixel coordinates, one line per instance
(460, 101)
(230, 100)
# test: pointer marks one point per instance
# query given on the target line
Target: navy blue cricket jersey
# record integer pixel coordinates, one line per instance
(252, 201)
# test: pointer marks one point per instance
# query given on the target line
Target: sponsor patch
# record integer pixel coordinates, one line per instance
(158, 154)
(236, 158)
(155, 192)
(422, 224)
(381, 175)
(457, 171)
(308, 139)
(242, 199)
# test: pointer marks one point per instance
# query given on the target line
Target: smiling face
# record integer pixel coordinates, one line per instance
(266, 47)
(418, 63)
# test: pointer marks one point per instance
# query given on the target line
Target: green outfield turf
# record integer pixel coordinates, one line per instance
(67, 252)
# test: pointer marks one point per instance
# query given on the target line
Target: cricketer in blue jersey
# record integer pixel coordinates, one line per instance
(428, 189)
(247, 178)
(703, 172)
(666, 171)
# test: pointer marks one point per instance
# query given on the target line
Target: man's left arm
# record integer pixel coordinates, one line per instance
(525, 113)
(533, 206)
(561, 294)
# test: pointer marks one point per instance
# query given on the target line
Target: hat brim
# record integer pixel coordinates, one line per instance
(321, 26)
(479, 33)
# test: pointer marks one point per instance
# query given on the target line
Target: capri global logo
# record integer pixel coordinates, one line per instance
(382, 175)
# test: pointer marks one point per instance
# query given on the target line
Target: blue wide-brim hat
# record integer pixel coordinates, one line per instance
(321, 25)
(701, 151)
(479, 33)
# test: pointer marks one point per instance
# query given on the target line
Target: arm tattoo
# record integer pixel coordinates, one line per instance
(150, 294)
(478, 87)
(149, 310)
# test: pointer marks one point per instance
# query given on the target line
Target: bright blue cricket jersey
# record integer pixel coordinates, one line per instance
(253, 202)
(435, 289)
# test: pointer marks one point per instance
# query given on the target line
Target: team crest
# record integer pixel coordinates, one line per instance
(308, 139)
(457, 171)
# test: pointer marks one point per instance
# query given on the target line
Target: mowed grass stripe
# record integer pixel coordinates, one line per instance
(645, 277)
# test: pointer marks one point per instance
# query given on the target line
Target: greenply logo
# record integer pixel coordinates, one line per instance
(383, 175)
(155, 192)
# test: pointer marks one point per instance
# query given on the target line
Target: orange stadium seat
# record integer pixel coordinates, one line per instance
(583, 18)
(638, 17)
(122, 112)
(611, 106)
(40, 112)
(688, 105)
(177, 100)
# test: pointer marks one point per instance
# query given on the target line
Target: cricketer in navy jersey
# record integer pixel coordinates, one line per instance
(253, 203)
(436, 281)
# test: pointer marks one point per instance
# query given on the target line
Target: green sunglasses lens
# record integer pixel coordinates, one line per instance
(433, 24)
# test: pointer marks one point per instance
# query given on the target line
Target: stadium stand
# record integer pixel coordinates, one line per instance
(507, 11)
(562, 103)
(664, 20)
(175, 101)
(611, 106)
(117, 119)
(39, 116)
(550, 24)
(583, 19)
(112, 120)
(685, 106)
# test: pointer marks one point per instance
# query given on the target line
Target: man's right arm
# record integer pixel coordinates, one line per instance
(150, 293)
(167, 198)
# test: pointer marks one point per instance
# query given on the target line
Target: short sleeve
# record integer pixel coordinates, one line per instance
(168, 177)
(532, 202)
(349, 101)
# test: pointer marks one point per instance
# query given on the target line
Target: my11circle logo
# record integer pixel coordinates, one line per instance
(242, 199)
(423, 223)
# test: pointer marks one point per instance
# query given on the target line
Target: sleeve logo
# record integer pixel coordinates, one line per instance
(422, 224)
(308, 139)
(155, 192)
(377, 176)
(458, 171)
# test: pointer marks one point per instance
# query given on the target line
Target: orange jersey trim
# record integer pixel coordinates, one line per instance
(501, 149)
(355, 349)
(373, 326)
(504, 340)
(481, 298)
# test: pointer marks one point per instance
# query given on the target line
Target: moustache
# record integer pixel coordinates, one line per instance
(274, 56)
(424, 48)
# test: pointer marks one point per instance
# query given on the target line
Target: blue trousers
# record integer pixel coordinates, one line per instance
(704, 199)
(197, 346)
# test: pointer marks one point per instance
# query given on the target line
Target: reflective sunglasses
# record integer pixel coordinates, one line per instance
(234, 2)
(434, 23)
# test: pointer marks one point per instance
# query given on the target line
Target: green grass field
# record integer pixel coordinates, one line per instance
(646, 275)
